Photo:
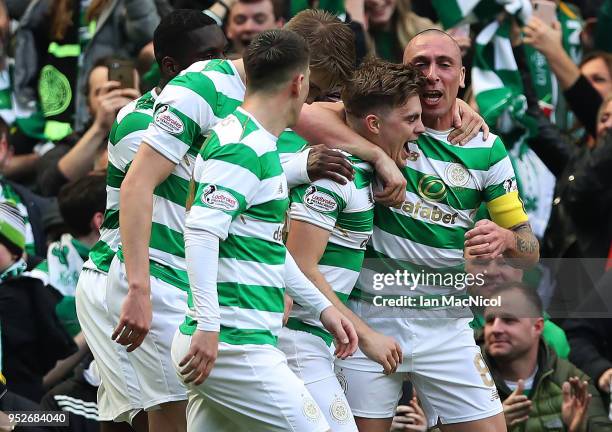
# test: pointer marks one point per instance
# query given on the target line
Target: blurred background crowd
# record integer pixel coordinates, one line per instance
(539, 74)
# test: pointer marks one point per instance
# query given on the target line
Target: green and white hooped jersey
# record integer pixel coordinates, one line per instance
(124, 140)
(241, 196)
(289, 144)
(187, 108)
(425, 237)
(347, 211)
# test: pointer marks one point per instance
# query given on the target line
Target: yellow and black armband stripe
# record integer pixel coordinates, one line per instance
(507, 210)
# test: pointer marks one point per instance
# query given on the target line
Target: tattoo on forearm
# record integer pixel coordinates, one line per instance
(525, 240)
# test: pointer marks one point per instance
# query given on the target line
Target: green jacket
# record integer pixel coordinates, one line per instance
(547, 396)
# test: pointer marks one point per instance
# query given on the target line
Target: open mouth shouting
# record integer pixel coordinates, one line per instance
(431, 97)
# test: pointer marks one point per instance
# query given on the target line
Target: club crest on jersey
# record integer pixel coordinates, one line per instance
(219, 199)
(319, 200)
(457, 174)
(168, 121)
(510, 185)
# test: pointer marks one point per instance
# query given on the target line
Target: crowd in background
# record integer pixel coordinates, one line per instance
(544, 87)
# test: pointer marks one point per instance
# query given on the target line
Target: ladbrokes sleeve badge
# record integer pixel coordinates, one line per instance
(319, 200)
(219, 199)
(168, 121)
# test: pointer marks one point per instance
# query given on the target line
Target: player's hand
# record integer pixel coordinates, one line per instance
(487, 240)
(345, 336)
(393, 182)
(382, 349)
(324, 162)
(467, 124)
(517, 406)
(604, 381)
(135, 319)
(201, 357)
(409, 418)
(576, 400)
(543, 37)
(287, 311)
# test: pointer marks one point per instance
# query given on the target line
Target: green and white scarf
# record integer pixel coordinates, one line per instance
(61, 270)
(63, 265)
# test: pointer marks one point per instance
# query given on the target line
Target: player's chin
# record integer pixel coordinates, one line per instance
(439, 109)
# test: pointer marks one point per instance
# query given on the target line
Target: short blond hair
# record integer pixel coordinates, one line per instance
(331, 43)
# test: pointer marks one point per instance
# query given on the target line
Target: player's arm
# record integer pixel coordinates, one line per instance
(148, 170)
(508, 232)
(302, 290)
(178, 121)
(218, 169)
(306, 242)
(324, 123)
(518, 244)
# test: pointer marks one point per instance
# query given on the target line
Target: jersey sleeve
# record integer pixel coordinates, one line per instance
(182, 114)
(226, 179)
(501, 190)
(319, 203)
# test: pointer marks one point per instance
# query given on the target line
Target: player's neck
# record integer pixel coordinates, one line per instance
(239, 65)
(519, 368)
(438, 123)
(272, 112)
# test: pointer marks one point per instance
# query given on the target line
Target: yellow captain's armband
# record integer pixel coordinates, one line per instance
(2, 379)
(507, 210)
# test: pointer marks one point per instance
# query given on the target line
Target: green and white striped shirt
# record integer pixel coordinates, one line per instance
(445, 186)
(184, 112)
(347, 211)
(242, 197)
(124, 140)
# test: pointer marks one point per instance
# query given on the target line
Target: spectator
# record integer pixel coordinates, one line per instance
(248, 18)
(390, 25)
(32, 337)
(591, 338)
(82, 204)
(77, 397)
(580, 219)
(496, 272)
(59, 43)
(539, 390)
(68, 161)
(31, 207)
(584, 88)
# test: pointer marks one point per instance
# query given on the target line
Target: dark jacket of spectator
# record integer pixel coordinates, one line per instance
(122, 30)
(579, 224)
(33, 339)
(591, 338)
(547, 395)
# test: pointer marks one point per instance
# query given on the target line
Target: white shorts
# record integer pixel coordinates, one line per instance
(118, 393)
(250, 388)
(313, 362)
(151, 361)
(441, 359)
